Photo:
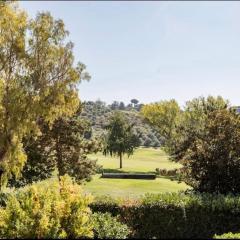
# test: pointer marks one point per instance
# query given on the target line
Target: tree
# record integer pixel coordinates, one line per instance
(38, 79)
(212, 161)
(134, 102)
(115, 105)
(179, 128)
(121, 106)
(191, 125)
(40, 163)
(64, 147)
(164, 116)
(120, 138)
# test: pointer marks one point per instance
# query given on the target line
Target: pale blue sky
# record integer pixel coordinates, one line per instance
(153, 50)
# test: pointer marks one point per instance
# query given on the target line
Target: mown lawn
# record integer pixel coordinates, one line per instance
(143, 160)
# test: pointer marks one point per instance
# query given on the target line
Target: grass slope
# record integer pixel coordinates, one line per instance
(143, 160)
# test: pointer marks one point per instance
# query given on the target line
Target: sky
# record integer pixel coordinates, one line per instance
(153, 51)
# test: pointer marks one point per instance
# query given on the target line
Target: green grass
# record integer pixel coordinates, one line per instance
(131, 188)
(143, 160)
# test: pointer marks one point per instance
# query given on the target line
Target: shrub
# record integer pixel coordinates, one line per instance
(57, 211)
(169, 173)
(228, 236)
(176, 173)
(106, 204)
(108, 227)
(176, 215)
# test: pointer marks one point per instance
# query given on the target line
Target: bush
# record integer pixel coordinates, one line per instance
(108, 227)
(176, 215)
(57, 211)
(172, 174)
(228, 236)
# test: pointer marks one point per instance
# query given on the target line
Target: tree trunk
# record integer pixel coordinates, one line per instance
(120, 160)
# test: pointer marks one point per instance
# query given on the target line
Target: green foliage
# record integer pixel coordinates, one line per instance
(37, 79)
(164, 116)
(108, 227)
(228, 236)
(71, 147)
(212, 161)
(64, 147)
(172, 173)
(192, 123)
(204, 138)
(98, 114)
(176, 215)
(120, 138)
(58, 211)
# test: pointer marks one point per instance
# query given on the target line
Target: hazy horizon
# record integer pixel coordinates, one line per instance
(153, 50)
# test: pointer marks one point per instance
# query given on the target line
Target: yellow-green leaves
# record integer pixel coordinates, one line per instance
(57, 211)
(38, 79)
(162, 115)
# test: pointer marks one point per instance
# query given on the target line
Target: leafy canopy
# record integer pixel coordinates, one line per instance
(164, 116)
(120, 138)
(64, 147)
(212, 161)
(38, 79)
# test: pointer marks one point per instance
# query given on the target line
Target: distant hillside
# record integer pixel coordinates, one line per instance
(98, 114)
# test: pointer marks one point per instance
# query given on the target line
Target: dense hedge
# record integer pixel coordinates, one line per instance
(175, 215)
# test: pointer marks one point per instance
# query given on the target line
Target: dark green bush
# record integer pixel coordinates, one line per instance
(176, 215)
(107, 227)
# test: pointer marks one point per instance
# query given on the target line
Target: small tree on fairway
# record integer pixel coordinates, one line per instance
(120, 138)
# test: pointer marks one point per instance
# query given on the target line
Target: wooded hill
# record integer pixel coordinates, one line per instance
(98, 113)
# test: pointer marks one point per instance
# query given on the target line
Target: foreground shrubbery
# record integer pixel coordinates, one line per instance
(108, 227)
(176, 215)
(55, 210)
(40, 212)
(228, 236)
(58, 211)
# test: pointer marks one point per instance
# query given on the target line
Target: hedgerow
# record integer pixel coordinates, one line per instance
(176, 215)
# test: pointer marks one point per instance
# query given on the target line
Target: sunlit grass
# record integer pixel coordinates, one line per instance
(143, 160)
